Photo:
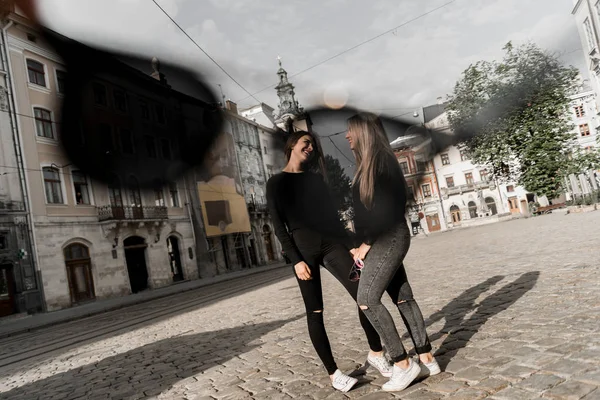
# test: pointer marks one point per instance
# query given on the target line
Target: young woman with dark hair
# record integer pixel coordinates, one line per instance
(307, 225)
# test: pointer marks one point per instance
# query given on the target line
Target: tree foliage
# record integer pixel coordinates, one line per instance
(512, 117)
(339, 183)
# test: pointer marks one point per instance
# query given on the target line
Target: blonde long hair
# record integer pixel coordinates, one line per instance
(372, 152)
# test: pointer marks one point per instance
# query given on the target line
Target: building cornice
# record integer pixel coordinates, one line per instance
(576, 7)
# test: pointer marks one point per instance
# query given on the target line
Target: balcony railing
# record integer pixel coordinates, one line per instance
(466, 188)
(112, 213)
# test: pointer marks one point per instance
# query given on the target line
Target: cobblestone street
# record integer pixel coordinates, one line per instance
(513, 311)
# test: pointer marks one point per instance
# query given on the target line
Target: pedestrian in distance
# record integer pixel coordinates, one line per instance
(379, 197)
(306, 223)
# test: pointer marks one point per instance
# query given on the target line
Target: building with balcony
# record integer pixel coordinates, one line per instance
(468, 196)
(587, 19)
(104, 231)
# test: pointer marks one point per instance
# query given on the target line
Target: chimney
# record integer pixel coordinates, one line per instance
(156, 74)
(231, 106)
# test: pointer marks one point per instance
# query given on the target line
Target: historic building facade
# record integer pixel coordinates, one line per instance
(96, 240)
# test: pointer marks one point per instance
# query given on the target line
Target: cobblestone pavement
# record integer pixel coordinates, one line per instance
(513, 311)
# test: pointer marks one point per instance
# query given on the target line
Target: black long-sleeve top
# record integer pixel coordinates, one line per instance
(301, 200)
(388, 207)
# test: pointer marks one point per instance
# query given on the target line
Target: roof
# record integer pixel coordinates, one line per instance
(431, 112)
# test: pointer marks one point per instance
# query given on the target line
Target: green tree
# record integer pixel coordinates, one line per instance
(512, 117)
(339, 183)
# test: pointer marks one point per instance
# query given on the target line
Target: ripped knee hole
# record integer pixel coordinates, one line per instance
(364, 307)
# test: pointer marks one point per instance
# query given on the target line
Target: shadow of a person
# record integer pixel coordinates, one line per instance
(464, 330)
(150, 369)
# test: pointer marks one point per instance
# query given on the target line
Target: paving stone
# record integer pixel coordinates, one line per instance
(422, 395)
(568, 367)
(539, 382)
(591, 377)
(516, 373)
(570, 390)
(492, 385)
(456, 365)
(468, 394)
(447, 386)
(513, 393)
(474, 374)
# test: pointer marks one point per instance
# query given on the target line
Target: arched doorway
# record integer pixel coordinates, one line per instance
(135, 257)
(267, 237)
(491, 205)
(455, 212)
(472, 209)
(7, 290)
(174, 258)
(79, 273)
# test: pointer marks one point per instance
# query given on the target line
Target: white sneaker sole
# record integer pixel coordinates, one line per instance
(413, 375)
(349, 386)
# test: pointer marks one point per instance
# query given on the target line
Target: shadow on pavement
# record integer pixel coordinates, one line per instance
(150, 369)
(461, 329)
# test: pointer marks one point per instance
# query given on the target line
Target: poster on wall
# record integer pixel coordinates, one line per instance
(221, 193)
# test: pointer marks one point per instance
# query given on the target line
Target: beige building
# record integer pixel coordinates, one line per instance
(92, 240)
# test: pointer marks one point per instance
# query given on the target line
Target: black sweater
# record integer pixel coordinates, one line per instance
(301, 201)
(387, 210)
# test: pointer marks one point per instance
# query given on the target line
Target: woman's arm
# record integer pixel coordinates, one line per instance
(279, 226)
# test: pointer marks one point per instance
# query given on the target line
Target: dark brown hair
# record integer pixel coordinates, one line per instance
(317, 162)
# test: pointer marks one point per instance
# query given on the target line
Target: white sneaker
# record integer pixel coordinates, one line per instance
(381, 364)
(428, 369)
(343, 382)
(401, 378)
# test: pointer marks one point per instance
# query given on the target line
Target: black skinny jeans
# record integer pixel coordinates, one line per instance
(317, 250)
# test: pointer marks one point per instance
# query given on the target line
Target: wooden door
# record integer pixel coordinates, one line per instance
(7, 291)
(433, 223)
(81, 282)
(513, 205)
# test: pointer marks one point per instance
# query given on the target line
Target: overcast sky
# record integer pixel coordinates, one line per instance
(392, 74)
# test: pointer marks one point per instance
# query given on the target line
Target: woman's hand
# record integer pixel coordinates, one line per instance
(303, 271)
(361, 252)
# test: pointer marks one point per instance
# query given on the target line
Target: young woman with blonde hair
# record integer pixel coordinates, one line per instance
(379, 193)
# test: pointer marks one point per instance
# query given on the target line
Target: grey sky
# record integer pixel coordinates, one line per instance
(393, 74)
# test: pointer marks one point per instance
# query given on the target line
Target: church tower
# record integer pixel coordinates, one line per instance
(288, 105)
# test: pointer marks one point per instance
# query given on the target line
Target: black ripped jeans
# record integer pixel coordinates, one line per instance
(317, 250)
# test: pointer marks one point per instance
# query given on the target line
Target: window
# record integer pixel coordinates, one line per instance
(160, 114)
(584, 130)
(114, 193)
(450, 181)
(150, 146)
(126, 141)
(106, 138)
(52, 185)
(426, 190)
(411, 193)
(463, 155)
(265, 149)
(589, 35)
(3, 242)
(174, 193)
(61, 80)
(579, 112)
(144, 110)
(445, 159)
(36, 73)
(120, 100)
(100, 94)
(80, 184)
(484, 175)
(421, 166)
(270, 170)
(404, 167)
(159, 197)
(469, 178)
(165, 145)
(510, 188)
(43, 123)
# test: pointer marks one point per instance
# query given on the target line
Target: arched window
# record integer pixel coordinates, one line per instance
(455, 212)
(491, 204)
(472, 209)
(79, 272)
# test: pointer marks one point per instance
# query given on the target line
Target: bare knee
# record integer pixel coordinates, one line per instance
(318, 311)
(364, 307)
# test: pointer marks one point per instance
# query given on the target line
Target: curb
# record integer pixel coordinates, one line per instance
(126, 301)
